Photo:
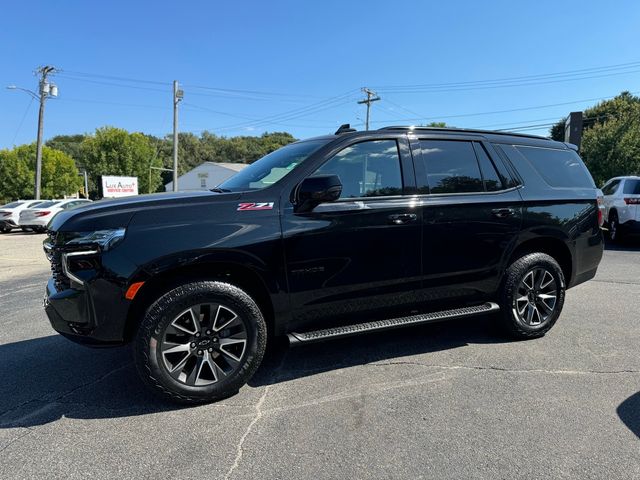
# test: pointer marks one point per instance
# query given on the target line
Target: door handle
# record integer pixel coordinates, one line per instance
(503, 212)
(402, 218)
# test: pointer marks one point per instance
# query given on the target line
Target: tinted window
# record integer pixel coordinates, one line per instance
(367, 169)
(12, 204)
(611, 188)
(560, 168)
(46, 204)
(451, 166)
(631, 187)
(492, 181)
(271, 168)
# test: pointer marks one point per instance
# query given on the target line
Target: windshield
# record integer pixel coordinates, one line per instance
(46, 204)
(271, 168)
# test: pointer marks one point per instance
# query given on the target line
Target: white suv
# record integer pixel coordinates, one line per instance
(622, 206)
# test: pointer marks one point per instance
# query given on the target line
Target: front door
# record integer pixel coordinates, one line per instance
(361, 253)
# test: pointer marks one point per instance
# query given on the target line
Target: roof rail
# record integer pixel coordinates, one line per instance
(345, 128)
(462, 130)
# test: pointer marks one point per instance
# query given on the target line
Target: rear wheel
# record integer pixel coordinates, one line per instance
(200, 342)
(532, 295)
(5, 229)
(614, 227)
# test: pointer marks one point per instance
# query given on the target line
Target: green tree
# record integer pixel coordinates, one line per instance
(610, 137)
(60, 176)
(16, 179)
(69, 144)
(114, 151)
(556, 132)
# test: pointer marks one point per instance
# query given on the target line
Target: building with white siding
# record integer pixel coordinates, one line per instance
(206, 176)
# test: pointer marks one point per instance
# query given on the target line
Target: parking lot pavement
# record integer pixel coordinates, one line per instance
(448, 400)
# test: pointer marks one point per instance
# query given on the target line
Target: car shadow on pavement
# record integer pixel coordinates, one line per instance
(629, 413)
(48, 378)
(627, 245)
(283, 363)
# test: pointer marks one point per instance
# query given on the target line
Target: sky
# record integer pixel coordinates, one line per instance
(255, 66)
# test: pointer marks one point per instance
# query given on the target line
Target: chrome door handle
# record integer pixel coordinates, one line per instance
(402, 218)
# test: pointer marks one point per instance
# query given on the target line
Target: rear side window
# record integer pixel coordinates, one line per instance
(452, 166)
(611, 188)
(631, 187)
(490, 177)
(559, 168)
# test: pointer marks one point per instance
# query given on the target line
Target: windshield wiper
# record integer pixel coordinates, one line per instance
(220, 190)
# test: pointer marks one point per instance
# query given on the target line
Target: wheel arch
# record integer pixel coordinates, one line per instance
(552, 246)
(240, 275)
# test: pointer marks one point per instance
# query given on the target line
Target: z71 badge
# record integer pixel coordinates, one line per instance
(255, 206)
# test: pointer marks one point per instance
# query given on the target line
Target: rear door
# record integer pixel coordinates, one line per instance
(360, 253)
(609, 195)
(472, 213)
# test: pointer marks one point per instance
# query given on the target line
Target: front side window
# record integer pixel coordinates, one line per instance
(367, 169)
(451, 166)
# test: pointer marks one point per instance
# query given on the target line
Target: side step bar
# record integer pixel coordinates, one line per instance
(348, 330)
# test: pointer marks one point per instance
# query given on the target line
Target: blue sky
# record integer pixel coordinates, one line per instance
(298, 66)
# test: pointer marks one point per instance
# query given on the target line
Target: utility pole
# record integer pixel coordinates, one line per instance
(86, 184)
(177, 96)
(371, 97)
(44, 90)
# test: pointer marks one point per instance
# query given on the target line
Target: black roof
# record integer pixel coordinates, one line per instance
(463, 130)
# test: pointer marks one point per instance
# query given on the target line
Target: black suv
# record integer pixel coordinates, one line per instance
(327, 237)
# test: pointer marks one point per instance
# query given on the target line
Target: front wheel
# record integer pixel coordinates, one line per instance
(200, 342)
(532, 295)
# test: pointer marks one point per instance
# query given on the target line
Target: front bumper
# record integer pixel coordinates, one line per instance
(72, 313)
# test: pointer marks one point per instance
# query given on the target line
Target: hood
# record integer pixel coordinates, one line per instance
(116, 213)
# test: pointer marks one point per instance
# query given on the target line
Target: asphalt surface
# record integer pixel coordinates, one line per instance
(453, 400)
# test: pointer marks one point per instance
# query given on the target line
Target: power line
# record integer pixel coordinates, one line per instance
(510, 110)
(528, 79)
(15, 135)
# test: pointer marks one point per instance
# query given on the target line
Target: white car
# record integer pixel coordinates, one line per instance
(10, 213)
(622, 206)
(37, 218)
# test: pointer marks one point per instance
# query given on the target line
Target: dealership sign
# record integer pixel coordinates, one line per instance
(113, 187)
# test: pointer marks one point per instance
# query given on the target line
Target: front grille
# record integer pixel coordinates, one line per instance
(53, 251)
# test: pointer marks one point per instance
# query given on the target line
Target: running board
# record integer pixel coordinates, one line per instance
(348, 330)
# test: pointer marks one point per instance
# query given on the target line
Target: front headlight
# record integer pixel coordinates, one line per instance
(105, 239)
(81, 252)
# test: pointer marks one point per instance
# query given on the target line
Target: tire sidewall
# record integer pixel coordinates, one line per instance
(514, 275)
(176, 301)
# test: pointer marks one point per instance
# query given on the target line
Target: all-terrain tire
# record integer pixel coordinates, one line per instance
(149, 359)
(510, 320)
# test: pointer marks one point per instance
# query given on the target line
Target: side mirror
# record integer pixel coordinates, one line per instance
(316, 190)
